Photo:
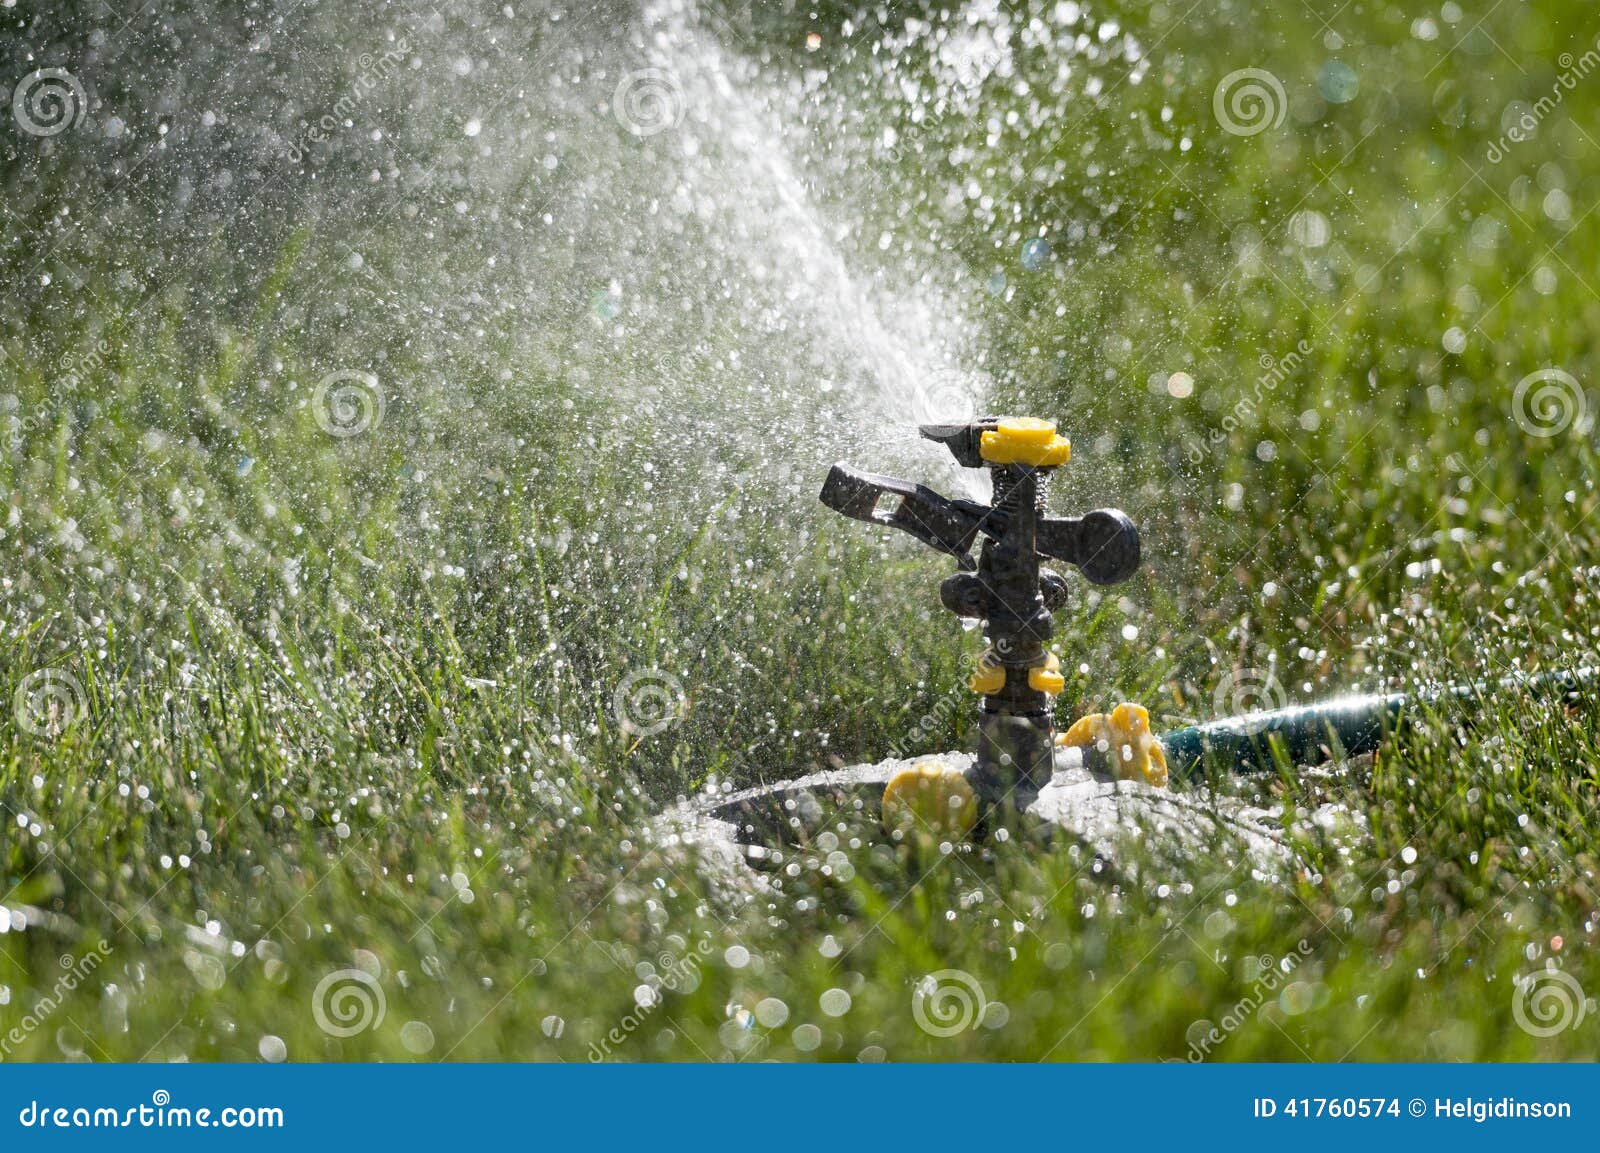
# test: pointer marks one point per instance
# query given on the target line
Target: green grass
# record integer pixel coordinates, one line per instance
(325, 688)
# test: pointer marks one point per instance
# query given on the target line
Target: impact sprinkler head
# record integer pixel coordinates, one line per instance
(1006, 587)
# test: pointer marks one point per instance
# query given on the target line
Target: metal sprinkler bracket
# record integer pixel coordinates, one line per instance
(1007, 587)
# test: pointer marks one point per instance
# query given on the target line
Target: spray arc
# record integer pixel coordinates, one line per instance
(1007, 586)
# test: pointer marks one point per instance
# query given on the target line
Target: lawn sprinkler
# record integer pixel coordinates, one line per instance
(1108, 771)
(1010, 591)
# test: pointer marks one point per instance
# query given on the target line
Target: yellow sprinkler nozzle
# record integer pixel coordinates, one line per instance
(1025, 440)
(1046, 677)
(1124, 736)
(989, 677)
(932, 800)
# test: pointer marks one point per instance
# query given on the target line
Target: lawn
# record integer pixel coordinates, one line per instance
(412, 422)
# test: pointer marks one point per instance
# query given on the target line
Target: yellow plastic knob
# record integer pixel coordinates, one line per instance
(1027, 429)
(1025, 440)
(989, 677)
(1047, 678)
(930, 800)
(1124, 736)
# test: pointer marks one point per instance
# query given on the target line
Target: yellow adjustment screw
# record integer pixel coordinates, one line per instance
(930, 800)
(989, 677)
(1025, 440)
(1046, 677)
(1124, 736)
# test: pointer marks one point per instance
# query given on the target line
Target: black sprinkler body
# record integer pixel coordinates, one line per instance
(1007, 587)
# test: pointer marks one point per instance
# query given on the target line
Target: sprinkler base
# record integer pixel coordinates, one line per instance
(751, 836)
(1016, 757)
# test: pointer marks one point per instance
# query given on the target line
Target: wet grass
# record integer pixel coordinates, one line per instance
(326, 704)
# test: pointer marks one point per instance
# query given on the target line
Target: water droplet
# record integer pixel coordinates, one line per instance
(771, 1012)
(417, 1037)
(835, 1002)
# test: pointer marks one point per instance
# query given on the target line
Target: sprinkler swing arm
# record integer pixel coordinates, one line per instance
(1103, 545)
(1006, 586)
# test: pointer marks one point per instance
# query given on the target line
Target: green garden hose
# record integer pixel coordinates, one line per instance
(1356, 724)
